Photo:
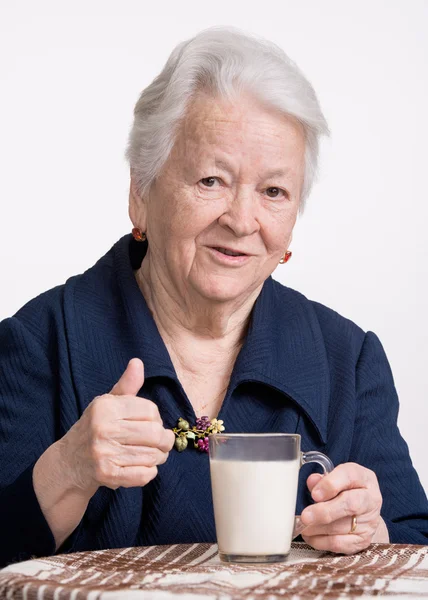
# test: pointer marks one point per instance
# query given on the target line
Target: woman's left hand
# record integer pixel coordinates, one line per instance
(350, 490)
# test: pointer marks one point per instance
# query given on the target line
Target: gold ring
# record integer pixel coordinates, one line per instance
(354, 524)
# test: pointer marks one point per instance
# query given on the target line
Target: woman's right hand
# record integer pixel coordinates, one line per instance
(119, 440)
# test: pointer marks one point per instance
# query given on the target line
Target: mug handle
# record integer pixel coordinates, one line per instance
(327, 467)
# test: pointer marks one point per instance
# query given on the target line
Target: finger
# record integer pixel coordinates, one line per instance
(169, 439)
(134, 408)
(139, 456)
(344, 477)
(136, 433)
(132, 379)
(342, 527)
(340, 544)
(144, 433)
(313, 480)
(346, 504)
(135, 476)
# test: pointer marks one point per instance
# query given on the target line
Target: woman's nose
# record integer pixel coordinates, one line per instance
(241, 215)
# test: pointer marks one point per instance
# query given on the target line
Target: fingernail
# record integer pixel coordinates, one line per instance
(317, 494)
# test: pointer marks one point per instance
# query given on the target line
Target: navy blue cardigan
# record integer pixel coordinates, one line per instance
(303, 368)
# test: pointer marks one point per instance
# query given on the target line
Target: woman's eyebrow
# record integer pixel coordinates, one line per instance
(277, 173)
(221, 164)
(268, 175)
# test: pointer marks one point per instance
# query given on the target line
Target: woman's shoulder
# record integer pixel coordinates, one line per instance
(35, 318)
(45, 315)
(335, 328)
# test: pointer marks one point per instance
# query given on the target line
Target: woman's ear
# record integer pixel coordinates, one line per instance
(137, 208)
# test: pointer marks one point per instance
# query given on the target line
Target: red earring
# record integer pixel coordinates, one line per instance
(286, 257)
(138, 235)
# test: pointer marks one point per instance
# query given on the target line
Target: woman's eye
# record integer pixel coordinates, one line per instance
(209, 181)
(274, 192)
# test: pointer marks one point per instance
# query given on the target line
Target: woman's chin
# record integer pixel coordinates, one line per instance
(219, 290)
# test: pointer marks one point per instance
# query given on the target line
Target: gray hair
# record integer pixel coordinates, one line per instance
(223, 61)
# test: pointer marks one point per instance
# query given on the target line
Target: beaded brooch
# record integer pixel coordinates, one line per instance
(199, 433)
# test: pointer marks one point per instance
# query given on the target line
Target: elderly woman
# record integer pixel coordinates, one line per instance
(183, 320)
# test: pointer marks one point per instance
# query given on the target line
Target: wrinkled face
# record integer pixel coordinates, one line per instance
(221, 213)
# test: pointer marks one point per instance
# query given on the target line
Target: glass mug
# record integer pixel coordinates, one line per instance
(254, 479)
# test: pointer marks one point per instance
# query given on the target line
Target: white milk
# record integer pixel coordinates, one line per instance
(254, 505)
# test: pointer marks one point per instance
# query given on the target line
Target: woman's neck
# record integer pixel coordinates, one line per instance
(201, 332)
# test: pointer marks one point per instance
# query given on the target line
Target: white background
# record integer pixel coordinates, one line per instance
(71, 73)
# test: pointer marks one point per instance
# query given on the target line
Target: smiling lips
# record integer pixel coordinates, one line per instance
(229, 252)
(228, 257)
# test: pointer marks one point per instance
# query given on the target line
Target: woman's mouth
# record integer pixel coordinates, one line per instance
(229, 252)
(227, 256)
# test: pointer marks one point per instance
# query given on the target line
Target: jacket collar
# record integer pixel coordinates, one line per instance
(284, 349)
(128, 255)
(284, 346)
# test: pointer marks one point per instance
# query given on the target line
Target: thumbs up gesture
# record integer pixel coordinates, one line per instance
(120, 439)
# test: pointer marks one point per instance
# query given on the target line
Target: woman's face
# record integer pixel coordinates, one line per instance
(231, 184)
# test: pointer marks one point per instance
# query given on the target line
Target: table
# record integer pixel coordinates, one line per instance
(195, 572)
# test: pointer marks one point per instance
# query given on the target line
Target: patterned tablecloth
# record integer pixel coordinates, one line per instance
(195, 572)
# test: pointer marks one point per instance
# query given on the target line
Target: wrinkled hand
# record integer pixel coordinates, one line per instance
(349, 490)
(119, 440)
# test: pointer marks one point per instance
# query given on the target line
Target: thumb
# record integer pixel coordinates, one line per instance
(132, 379)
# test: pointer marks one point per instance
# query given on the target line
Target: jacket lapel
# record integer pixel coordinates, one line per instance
(284, 348)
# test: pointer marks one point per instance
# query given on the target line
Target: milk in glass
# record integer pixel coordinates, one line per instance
(254, 505)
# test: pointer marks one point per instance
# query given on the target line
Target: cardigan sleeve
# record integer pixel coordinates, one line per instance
(378, 445)
(27, 428)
